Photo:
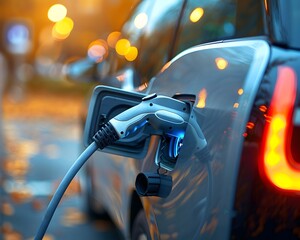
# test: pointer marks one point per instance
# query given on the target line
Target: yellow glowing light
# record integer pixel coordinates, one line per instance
(278, 123)
(196, 14)
(283, 180)
(57, 12)
(63, 28)
(240, 91)
(122, 46)
(202, 98)
(98, 50)
(272, 158)
(132, 54)
(112, 39)
(274, 142)
(221, 63)
(236, 105)
(141, 20)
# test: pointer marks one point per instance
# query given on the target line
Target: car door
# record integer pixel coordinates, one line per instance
(151, 29)
(224, 78)
(219, 93)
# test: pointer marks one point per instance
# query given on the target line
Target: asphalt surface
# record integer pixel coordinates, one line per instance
(42, 137)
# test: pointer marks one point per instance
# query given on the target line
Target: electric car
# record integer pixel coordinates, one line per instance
(235, 64)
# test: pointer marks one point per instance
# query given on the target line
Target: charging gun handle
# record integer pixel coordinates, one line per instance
(162, 113)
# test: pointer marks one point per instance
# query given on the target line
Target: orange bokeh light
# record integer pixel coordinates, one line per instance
(113, 38)
(221, 63)
(202, 98)
(240, 91)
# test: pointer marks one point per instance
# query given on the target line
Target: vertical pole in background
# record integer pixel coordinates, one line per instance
(3, 78)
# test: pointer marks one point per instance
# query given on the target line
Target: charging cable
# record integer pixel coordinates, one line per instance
(165, 115)
(104, 137)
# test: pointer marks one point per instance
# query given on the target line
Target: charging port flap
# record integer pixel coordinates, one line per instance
(107, 102)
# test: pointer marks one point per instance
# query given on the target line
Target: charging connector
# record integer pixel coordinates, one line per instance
(163, 115)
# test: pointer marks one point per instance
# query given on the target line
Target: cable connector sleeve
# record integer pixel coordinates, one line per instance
(106, 136)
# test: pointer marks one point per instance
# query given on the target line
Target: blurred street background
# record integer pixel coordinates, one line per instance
(41, 111)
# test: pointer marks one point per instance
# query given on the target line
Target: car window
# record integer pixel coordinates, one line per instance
(150, 29)
(211, 20)
(134, 28)
(158, 37)
(132, 31)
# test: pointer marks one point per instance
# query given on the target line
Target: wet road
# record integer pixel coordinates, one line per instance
(40, 147)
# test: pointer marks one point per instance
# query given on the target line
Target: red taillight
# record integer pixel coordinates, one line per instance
(278, 165)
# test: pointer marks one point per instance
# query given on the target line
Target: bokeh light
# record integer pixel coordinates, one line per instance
(63, 28)
(122, 46)
(202, 98)
(18, 38)
(240, 91)
(112, 39)
(132, 54)
(57, 12)
(221, 63)
(196, 14)
(236, 105)
(141, 20)
(98, 50)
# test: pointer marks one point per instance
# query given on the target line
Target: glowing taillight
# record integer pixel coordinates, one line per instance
(278, 165)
